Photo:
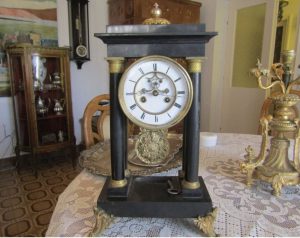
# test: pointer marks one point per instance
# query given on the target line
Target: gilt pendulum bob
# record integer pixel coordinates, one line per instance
(155, 92)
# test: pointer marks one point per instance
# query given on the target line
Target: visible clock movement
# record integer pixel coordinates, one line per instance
(79, 31)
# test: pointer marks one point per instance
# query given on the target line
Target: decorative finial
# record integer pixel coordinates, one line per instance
(156, 11)
(156, 19)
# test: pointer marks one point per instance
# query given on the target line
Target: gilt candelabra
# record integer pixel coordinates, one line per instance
(274, 165)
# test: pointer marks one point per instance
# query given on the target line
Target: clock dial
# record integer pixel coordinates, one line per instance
(81, 51)
(155, 92)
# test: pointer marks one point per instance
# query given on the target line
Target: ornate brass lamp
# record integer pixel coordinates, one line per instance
(275, 166)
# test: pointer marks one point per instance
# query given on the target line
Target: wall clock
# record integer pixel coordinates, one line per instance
(79, 31)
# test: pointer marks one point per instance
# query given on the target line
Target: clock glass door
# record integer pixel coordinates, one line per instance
(19, 94)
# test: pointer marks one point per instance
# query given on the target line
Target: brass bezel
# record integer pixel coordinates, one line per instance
(177, 118)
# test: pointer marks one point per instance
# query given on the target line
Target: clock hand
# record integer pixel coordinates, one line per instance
(141, 92)
(165, 91)
(154, 76)
(144, 91)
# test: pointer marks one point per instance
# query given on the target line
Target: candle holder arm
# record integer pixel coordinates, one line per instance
(251, 161)
(281, 84)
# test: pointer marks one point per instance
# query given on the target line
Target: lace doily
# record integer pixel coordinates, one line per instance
(242, 211)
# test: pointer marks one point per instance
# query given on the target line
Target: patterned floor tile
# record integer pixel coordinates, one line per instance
(27, 202)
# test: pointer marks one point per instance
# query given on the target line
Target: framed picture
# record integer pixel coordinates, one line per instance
(25, 21)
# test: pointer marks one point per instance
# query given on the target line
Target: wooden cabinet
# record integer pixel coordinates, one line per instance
(40, 79)
(136, 11)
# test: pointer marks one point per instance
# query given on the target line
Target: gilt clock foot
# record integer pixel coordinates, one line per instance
(103, 220)
(206, 223)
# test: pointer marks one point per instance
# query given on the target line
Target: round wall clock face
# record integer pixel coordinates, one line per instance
(81, 51)
(155, 92)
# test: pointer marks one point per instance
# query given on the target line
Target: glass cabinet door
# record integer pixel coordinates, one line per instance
(48, 84)
(19, 94)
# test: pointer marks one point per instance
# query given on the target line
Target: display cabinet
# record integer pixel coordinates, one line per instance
(41, 92)
(136, 11)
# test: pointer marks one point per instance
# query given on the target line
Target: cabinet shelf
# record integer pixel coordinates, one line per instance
(50, 117)
(37, 91)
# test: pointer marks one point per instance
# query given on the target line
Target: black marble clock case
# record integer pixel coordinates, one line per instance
(155, 196)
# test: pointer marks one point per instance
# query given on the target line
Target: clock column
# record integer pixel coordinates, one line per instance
(191, 134)
(118, 126)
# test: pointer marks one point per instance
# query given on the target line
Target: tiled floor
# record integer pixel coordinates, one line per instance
(27, 202)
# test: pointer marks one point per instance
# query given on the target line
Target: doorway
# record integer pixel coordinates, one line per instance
(250, 35)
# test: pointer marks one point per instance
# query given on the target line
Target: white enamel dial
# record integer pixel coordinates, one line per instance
(155, 92)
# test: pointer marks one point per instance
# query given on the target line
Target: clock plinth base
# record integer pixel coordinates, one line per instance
(149, 197)
(117, 193)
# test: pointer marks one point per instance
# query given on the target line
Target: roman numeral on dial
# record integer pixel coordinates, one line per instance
(133, 106)
(181, 92)
(155, 67)
(176, 80)
(143, 116)
(167, 70)
(177, 105)
(156, 118)
(141, 71)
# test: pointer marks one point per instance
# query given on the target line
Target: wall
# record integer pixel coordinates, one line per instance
(92, 79)
(214, 13)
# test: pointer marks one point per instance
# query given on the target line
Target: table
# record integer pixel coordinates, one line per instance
(242, 211)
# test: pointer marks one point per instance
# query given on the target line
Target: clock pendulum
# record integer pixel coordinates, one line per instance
(155, 92)
(81, 49)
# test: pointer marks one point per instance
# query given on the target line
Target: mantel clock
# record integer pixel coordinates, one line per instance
(155, 92)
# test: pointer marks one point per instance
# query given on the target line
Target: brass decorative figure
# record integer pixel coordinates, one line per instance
(103, 220)
(275, 166)
(156, 17)
(206, 223)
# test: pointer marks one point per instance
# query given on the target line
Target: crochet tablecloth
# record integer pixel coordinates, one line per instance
(242, 211)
